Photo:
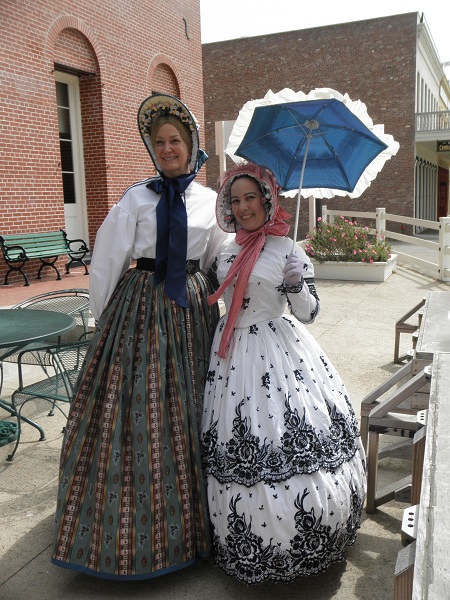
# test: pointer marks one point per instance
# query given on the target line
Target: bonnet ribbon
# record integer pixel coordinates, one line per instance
(171, 239)
(252, 243)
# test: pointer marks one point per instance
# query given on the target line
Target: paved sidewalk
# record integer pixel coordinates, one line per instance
(356, 330)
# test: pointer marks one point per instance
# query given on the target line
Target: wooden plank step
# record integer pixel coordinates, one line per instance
(395, 491)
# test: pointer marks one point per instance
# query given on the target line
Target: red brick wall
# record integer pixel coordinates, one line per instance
(373, 60)
(129, 49)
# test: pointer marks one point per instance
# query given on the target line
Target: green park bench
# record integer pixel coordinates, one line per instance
(48, 246)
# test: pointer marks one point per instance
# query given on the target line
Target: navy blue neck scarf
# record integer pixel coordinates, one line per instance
(171, 241)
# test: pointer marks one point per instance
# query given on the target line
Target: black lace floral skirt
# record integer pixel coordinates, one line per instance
(282, 453)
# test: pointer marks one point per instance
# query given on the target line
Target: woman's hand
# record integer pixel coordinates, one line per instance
(293, 270)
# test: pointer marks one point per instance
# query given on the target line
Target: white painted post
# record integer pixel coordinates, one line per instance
(220, 145)
(380, 223)
(312, 213)
(444, 249)
(222, 133)
(324, 213)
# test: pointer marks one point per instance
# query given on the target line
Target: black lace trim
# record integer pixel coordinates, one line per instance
(293, 289)
(313, 548)
(247, 459)
(296, 289)
(312, 287)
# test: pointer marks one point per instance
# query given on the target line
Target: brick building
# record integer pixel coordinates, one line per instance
(385, 62)
(73, 77)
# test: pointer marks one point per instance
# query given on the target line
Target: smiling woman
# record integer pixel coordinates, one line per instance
(132, 432)
(247, 203)
(171, 149)
(280, 443)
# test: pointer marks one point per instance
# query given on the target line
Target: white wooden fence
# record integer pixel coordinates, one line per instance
(440, 250)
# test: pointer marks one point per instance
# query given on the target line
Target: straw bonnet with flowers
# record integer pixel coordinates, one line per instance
(171, 211)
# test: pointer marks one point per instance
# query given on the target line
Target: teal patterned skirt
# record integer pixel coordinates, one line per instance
(132, 501)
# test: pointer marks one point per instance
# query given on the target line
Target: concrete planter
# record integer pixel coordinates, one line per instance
(355, 271)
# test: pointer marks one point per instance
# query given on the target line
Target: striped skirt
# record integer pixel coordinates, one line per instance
(131, 498)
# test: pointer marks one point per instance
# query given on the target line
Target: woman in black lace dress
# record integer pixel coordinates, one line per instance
(280, 441)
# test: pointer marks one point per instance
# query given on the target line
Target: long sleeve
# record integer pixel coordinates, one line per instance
(303, 299)
(111, 257)
(215, 241)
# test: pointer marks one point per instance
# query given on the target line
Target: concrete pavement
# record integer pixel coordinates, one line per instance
(356, 329)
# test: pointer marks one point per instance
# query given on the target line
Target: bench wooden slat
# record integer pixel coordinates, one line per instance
(36, 250)
(16, 255)
(33, 236)
(43, 244)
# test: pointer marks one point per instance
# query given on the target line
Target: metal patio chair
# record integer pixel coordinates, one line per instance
(64, 362)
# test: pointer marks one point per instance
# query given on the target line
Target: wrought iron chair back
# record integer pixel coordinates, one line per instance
(64, 362)
(74, 302)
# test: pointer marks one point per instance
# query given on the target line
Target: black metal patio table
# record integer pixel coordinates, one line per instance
(18, 329)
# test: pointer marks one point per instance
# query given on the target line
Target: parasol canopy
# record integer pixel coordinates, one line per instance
(321, 141)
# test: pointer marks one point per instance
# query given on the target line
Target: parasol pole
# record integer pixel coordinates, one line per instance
(311, 124)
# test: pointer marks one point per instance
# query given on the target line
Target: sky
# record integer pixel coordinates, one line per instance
(230, 19)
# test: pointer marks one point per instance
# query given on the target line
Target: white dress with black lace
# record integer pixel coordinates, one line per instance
(280, 442)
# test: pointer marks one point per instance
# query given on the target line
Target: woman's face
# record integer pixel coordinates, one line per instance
(171, 151)
(246, 203)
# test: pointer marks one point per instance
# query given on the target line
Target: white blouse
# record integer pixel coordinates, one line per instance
(129, 232)
(265, 296)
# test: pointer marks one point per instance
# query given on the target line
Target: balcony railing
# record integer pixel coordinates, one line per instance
(433, 121)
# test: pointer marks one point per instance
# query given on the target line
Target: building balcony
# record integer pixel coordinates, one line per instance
(433, 126)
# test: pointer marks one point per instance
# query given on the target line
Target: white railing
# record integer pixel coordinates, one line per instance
(433, 121)
(440, 268)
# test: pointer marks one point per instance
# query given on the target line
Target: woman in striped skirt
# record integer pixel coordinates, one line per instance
(131, 498)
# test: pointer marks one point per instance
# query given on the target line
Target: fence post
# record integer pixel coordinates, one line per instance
(380, 223)
(222, 130)
(312, 213)
(444, 249)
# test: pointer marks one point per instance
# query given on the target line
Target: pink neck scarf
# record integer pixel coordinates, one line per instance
(252, 243)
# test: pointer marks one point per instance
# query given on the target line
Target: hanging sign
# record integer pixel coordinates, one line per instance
(443, 146)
